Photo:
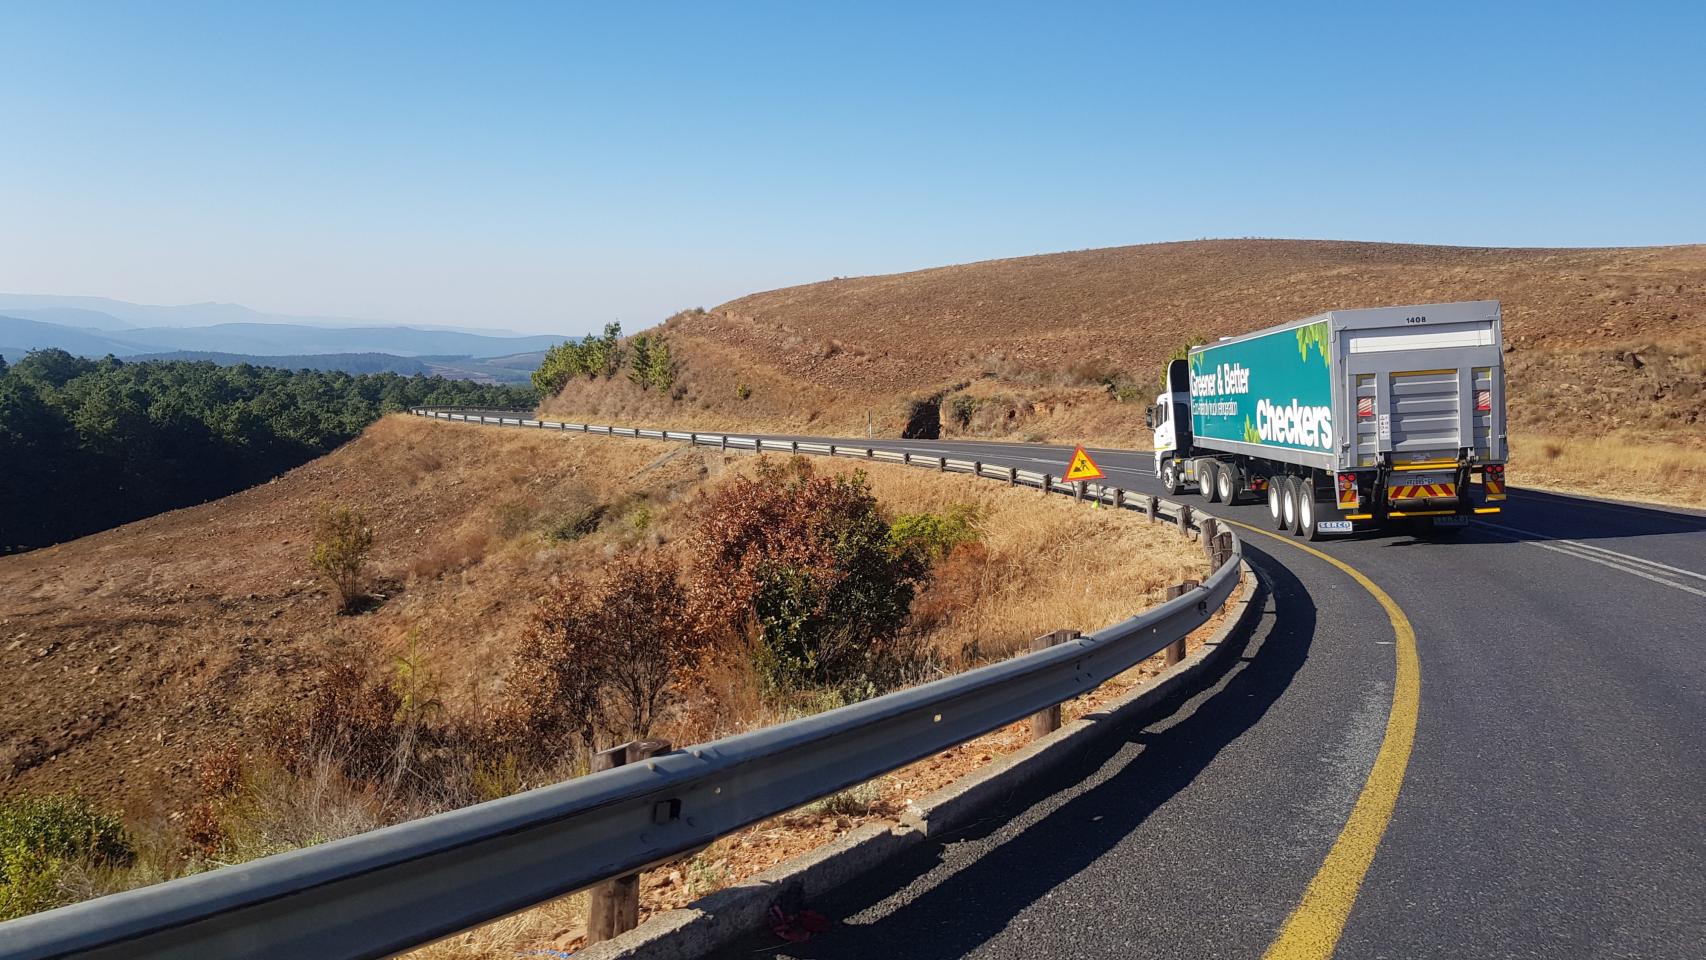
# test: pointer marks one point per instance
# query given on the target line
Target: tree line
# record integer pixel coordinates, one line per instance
(645, 355)
(90, 444)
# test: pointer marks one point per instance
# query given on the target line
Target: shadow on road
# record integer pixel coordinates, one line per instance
(961, 911)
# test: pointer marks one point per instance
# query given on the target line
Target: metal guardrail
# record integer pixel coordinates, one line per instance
(383, 892)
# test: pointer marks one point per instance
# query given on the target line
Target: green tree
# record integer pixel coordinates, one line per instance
(339, 551)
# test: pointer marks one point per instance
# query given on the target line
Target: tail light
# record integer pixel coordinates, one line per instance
(1493, 478)
(1349, 497)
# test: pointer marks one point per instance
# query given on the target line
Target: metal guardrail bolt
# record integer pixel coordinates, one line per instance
(1047, 720)
(613, 907)
(1175, 652)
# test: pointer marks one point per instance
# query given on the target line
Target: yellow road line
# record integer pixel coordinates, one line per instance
(1313, 929)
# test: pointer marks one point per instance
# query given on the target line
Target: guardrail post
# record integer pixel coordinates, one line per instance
(723, 441)
(832, 449)
(1012, 476)
(1185, 520)
(977, 468)
(1222, 548)
(613, 907)
(906, 457)
(1047, 720)
(1048, 484)
(1209, 526)
(794, 447)
(941, 464)
(1149, 507)
(1119, 498)
(870, 454)
(1174, 652)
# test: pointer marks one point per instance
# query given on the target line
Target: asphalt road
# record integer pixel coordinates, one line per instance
(1554, 803)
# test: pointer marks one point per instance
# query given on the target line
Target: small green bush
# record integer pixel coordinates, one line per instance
(342, 540)
(40, 837)
(742, 391)
(930, 537)
(576, 523)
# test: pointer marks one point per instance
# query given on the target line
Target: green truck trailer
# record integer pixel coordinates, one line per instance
(1344, 421)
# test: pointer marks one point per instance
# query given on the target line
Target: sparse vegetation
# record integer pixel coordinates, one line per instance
(40, 837)
(342, 540)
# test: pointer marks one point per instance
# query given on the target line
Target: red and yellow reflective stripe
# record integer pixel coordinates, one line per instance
(1417, 491)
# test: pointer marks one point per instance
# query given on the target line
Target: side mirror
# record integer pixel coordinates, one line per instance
(1149, 418)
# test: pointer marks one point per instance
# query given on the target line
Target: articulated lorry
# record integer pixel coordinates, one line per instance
(1344, 421)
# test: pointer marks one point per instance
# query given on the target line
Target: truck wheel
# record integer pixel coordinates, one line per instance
(1170, 479)
(1306, 509)
(1208, 481)
(1276, 501)
(1229, 480)
(1290, 501)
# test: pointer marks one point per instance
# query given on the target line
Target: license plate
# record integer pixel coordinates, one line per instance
(1451, 521)
(1334, 526)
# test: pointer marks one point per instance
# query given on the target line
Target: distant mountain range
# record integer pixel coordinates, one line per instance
(230, 333)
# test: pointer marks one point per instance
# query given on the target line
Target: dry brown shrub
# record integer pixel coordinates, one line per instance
(600, 657)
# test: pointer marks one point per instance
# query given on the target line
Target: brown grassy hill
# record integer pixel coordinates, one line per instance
(126, 655)
(1602, 340)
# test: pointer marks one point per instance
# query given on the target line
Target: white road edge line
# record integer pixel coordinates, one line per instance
(1614, 553)
(1615, 566)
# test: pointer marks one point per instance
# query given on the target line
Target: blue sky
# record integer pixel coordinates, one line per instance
(554, 166)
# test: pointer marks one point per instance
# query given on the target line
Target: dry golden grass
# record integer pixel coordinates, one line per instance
(1617, 465)
(1601, 339)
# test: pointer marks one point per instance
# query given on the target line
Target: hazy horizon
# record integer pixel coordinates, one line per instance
(541, 168)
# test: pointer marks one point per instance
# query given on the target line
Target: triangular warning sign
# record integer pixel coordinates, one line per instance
(1082, 467)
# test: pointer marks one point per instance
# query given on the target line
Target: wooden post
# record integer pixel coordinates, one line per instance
(1174, 652)
(1119, 498)
(870, 454)
(1149, 509)
(1185, 521)
(1048, 483)
(723, 442)
(794, 447)
(977, 468)
(1222, 548)
(1012, 476)
(906, 457)
(613, 907)
(832, 449)
(941, 464)
(1047, 720)
(1208, 528)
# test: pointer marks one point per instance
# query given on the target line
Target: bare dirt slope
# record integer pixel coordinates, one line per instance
(1047, 329)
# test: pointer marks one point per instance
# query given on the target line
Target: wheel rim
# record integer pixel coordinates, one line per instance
(1223, 479)
(1290, 506)
(1305, 511)
(1276, 496)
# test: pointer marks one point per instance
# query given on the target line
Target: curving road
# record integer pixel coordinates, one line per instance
(1554, 804)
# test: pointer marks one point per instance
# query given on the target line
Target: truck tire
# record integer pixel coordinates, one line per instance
(1276, 501)
(1170, 479)
(1208, 473)
(1306, 512)
(1289, 499)
(1229, 481)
